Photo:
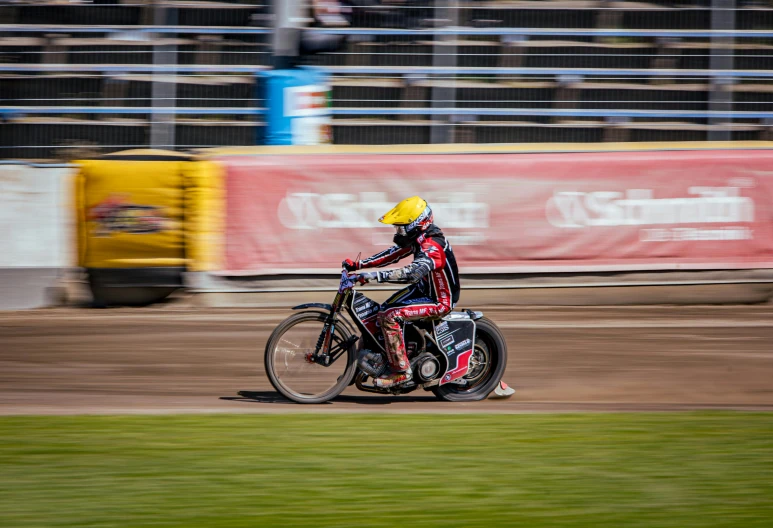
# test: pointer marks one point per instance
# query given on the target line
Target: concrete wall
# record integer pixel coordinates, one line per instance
(36, 233)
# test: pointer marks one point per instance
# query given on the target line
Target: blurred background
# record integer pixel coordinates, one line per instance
(85, 77)
(86, 87)
(207, 85)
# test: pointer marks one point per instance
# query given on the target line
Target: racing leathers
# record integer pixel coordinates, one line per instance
(433, 291)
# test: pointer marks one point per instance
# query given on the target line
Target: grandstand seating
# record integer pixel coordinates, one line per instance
(538, 55)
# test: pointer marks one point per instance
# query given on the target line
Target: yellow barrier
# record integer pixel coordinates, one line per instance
(145, 217)
(204, 215)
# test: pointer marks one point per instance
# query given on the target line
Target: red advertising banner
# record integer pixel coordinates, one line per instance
(610, 211)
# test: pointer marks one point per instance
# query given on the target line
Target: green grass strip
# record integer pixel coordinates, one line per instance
(566, 470)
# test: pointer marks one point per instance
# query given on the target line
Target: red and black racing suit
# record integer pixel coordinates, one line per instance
(433, 292)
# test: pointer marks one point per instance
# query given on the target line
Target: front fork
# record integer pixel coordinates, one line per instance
(321, 353)
(324, 354)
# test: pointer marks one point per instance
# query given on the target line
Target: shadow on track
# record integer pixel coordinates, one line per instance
(274, 397)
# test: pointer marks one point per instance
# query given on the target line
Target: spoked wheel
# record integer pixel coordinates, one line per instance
(287, 360)
(487, 365)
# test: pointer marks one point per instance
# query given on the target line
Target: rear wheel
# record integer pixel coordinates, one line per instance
(288, 367)
(487, 366)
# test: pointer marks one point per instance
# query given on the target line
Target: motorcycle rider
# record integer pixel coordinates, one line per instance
(433, 278)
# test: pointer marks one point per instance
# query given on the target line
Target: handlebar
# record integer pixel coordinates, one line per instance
(347, 281)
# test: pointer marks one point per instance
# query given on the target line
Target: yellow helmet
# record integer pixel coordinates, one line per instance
(411, 217)
(406, 212)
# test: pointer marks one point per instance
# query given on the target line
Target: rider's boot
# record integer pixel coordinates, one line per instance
(393, 379)
(399, 366)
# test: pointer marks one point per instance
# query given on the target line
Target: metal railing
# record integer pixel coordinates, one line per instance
(410, 72)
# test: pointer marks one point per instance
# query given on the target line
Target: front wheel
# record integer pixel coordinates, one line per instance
(288, 367)
(487, 366)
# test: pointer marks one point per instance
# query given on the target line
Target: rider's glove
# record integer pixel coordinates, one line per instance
(350, 265)
(367, 276)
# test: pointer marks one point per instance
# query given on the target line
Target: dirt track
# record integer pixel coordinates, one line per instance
(166, 359)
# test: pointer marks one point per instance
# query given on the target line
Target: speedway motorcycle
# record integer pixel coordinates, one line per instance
(315, 354)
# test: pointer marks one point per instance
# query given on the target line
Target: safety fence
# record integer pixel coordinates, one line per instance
(590, 212)
(254, 212)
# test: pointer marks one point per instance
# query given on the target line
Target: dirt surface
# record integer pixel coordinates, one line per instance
(175, 359)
